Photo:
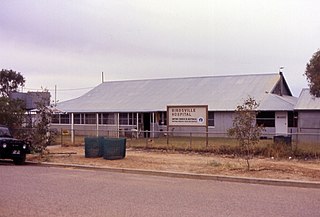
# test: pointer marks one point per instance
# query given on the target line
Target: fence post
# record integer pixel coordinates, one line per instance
(73, 136)
(146, 137)
(61, 136)
(296, 140)
(190, 144)
(207, 139)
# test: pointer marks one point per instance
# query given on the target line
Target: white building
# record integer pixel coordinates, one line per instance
(142, 104)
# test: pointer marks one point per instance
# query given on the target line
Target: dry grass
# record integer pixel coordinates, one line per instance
(190, 162)
(218, 145)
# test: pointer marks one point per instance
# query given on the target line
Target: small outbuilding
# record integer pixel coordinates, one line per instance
(308, 109)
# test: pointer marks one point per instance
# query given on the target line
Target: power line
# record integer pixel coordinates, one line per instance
(60, 89)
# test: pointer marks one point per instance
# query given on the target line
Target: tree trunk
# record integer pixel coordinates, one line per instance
(248, 164)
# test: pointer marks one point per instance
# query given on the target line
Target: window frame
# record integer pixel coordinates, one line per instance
(211, 118)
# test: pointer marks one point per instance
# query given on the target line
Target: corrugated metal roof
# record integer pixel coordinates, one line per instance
(273, 102)
(307, 102)
(220, 93)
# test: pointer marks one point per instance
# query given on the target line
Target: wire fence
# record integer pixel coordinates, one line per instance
(193, 141)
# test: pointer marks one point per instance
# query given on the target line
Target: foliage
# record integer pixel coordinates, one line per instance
(11, 112)
(42, 135)
(10, 81)
(245, 129)
(313, 74)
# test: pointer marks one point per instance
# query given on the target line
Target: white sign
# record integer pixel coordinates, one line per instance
(187, 115)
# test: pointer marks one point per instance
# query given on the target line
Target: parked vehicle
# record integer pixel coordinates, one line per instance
(11, 148)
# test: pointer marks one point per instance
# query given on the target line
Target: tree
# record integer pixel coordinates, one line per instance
(10, 81)
(11, 111)
(245, 129)
(313, 74)
(42, 135)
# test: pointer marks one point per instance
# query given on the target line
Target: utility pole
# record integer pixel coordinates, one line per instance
(55, 95)
(102, 77)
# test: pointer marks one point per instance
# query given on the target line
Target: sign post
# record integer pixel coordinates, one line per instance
(187, 116)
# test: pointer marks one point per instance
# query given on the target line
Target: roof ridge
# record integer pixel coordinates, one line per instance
(192, 77)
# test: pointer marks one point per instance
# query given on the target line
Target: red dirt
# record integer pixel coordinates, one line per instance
(292, 169)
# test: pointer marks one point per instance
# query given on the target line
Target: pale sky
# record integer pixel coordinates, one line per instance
(69, 43)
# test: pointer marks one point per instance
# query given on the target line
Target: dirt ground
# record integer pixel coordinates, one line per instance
(292, 169)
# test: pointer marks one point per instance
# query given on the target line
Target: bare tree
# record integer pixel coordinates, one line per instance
(245, 129)
(42, 135)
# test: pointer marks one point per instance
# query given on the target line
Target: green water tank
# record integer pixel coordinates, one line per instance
(114, 148)
(93, 147)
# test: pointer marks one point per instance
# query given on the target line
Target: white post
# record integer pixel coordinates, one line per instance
(97, 124)
(72, 128)
(137, 125)
(153, 123)
(118, 124)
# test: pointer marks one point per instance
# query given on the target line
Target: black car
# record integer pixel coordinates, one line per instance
(11, 148)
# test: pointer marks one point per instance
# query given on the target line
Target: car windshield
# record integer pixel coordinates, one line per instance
(4, 132)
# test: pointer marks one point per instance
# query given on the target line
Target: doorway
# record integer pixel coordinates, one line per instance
(281, 123)
(146, 125)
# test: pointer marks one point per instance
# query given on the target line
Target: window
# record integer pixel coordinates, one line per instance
(64, 119)
(61, 119)
(132, 119)
(292, 119)
(266, 119)
(123, 118)
(55, 119)
(107, 118)
(77, 119)
(90, 118)
(211, 119)
(163, 118)
(84, 118)
(128, 118)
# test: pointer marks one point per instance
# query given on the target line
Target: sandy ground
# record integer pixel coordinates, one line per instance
(293, 169)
